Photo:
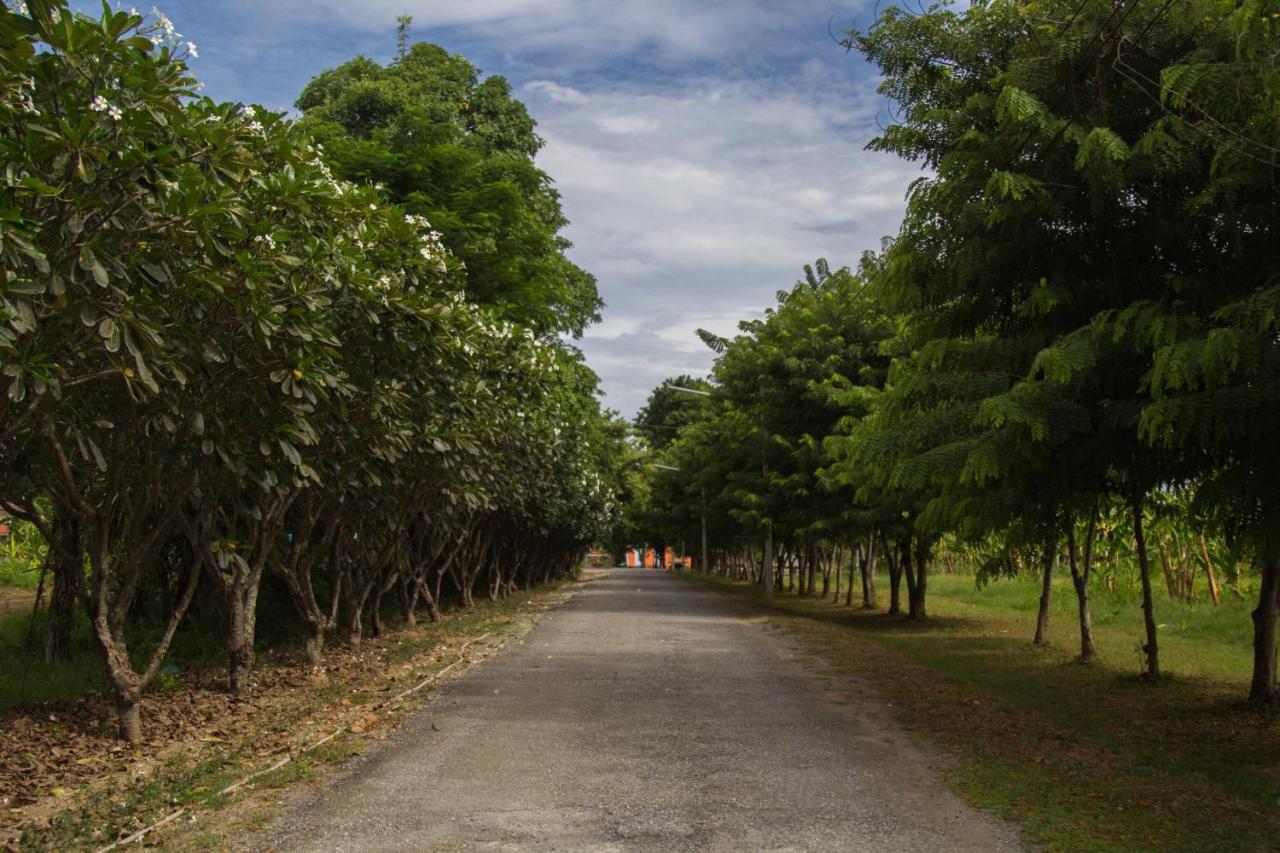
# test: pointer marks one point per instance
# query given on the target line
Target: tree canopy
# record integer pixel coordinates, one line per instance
(446, 145)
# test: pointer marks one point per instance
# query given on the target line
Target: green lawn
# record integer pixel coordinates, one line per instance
(1198, 639)
(1083, 757)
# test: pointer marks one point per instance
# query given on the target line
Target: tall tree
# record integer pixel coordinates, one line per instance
(458, 150)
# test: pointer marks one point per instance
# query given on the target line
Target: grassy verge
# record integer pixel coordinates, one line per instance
(291, 710)
(18, 573)
(1082, 757)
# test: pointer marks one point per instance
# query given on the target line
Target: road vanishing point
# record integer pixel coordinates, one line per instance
(646, 713)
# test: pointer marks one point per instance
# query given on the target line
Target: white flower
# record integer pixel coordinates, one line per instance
(191, 49)
(114, 112)
(247, 112)
(265, 239)
(254, 127)
(198, 87)
(21, 9)
(99, 104)
(162, 21)
(373, 207)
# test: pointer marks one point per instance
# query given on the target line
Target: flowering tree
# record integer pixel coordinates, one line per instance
(213, 347)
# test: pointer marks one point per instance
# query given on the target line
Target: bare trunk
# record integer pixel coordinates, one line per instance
(868, 569)
(240, 641)
(411, 590)
(433, 605)
(355, 627)
(1214, 591)
(1170, 582)
(129, 714)
(376, 628)
(1263, 688)
(1151, 649)
(66, 559)
(895, 583)
(918, 580)
(1080, 581)
(1046, 593)
(314, 647)
(855, 559)
(766, 565)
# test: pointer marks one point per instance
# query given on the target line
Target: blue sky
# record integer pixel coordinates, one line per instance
(705, 149)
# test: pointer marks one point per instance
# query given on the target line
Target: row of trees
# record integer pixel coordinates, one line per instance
(229, 353)
(1077, 321)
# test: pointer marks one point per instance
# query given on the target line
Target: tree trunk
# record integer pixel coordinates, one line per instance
(1170, 582)
(376, 628)
(1151, 648)
(855, 559)
(766, 565)
(1263, 688)
(355, 627)
(813, 572)
(240, 641)
(411, 590)
(1080, 581)
(921, 585)
(1046, 592)
(66, 559)
(129, 714)
(895, 583)
(1214, 592)
(314, 648)
(868, 568)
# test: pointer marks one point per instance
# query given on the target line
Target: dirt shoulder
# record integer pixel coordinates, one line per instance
(69, 784)
(14, 599)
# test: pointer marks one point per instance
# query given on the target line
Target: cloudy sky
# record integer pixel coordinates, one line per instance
(705, 149)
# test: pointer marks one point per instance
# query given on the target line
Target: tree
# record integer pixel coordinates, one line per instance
(459, 151)
(669, 409)
(216, 353)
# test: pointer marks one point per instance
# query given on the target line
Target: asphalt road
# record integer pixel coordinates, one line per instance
(647, 713)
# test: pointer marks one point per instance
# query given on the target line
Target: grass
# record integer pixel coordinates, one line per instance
(1196, 639)
(1082, 757)
(29, 680)
(18, 572)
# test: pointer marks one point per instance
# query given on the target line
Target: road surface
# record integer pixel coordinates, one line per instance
(647, 713)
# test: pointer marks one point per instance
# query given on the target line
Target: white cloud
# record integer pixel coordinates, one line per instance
(724, 192)
(557, 93)
(704, 149)
(626, 124)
